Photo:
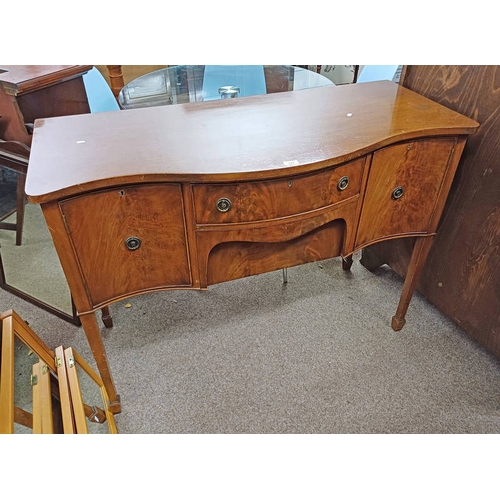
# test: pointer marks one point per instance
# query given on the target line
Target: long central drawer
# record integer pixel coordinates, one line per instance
(264, 200)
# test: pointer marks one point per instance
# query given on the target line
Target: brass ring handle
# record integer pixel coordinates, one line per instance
(224, 205)
(343, 183)
(397, 193)
(133, 243)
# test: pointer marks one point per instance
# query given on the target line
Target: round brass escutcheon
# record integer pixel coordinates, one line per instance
(133, 243)
(343, 183)
(224, 204)
(397, 193)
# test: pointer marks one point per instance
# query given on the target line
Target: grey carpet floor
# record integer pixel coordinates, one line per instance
(314, 356)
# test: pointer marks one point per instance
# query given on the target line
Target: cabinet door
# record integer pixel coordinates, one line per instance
(403, 186)
(129, 239)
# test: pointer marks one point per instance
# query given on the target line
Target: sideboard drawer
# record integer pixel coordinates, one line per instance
(129, 239)
(264, 200)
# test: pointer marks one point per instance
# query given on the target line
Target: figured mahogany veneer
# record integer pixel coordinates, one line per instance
(185, 196)
(152, 213)
(266, 200)
(419, 167)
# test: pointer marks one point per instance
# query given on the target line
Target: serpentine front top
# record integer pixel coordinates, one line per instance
(260, 137)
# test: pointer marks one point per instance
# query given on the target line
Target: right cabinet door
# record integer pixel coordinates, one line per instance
(403, 186)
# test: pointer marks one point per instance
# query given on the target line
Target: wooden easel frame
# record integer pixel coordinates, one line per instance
(13, 326)
(42, 400)
(72, 359)
(37, 404)
(7, 378)
(64, 391)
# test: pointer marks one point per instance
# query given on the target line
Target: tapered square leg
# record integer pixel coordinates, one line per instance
(419, 255)
(91, 329)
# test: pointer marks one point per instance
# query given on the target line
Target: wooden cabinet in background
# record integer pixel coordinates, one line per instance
(28, 93)
(462, 273)
(31, 92)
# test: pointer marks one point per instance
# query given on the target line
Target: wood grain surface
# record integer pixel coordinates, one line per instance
(418, 168)
(249, 138)
(154, 215)
(233, 260)
(254, 201)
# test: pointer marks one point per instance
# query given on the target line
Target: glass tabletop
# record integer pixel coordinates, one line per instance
(183, 84)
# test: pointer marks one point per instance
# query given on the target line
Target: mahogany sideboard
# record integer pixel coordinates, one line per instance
(185, 196)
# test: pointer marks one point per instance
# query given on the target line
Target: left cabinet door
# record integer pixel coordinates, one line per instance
(129, 240)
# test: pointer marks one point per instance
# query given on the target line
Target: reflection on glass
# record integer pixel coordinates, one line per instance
(32, 268)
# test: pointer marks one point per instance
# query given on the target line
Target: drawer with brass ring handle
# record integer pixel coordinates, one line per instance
(397, 193)
(224, 205)
(252, 201)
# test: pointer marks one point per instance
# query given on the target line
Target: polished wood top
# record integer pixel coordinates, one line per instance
(246, 138)
(23, 79)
